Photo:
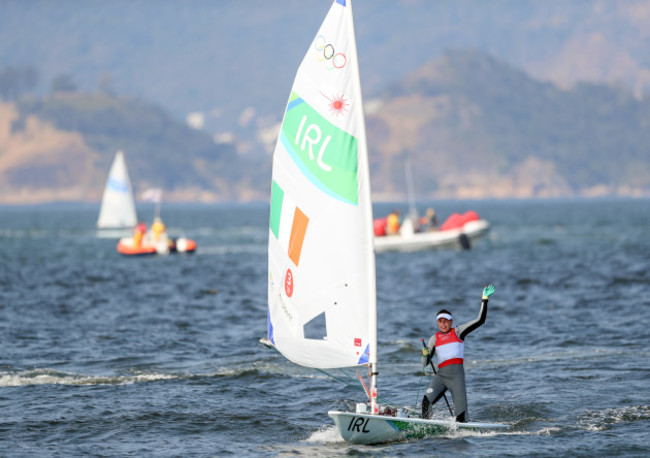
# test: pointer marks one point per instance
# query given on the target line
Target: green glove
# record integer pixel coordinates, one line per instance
(425, 352)
(488, 291)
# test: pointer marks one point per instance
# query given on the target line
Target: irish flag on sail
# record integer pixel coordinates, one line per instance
(288, 223)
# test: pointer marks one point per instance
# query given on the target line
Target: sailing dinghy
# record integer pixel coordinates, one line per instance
(118, 206)
(321, 266)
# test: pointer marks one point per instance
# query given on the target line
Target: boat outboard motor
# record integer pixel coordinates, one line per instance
(464, 242)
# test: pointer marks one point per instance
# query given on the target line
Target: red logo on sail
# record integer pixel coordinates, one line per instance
(288, 283)
(357, 342)
(337, 104)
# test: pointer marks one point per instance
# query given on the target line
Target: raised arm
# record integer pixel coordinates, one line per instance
(466, 328)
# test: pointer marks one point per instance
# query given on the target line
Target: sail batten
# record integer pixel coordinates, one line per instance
(321, 284)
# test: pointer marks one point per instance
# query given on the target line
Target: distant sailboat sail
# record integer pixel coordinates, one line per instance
(118, 206)
(321, 284)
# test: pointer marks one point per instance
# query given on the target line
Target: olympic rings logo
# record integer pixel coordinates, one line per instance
(325, 52)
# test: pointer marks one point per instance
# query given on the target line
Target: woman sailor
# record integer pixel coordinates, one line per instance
(447, 345)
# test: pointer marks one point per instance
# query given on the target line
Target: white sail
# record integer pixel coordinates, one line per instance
(118, 207)
(322, 295)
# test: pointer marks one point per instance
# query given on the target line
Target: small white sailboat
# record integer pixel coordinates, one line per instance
(322, 309)
(118, 206)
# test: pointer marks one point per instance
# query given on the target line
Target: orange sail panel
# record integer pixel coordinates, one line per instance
(298, 231)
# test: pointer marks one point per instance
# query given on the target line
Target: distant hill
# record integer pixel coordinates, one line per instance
(471, 126)
(476, 127)
(60, 147)
(233, 60)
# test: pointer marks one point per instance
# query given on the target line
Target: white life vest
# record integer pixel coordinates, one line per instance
(449, 348)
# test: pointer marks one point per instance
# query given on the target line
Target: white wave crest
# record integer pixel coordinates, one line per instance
(325, 435)
(52, 377)
(600, 420)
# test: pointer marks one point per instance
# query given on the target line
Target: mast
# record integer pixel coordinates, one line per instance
(364, 175)
(413, 212)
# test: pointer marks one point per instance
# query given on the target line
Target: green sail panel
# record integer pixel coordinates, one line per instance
(326, 154)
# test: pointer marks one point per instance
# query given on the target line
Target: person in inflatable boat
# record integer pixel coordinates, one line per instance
(393, 223)
(158, 228)
(428, 222)
(447, 346)
(138, 233)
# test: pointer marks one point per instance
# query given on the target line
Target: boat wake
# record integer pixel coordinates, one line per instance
(327, 434)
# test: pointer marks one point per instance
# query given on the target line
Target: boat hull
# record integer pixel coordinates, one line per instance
(359, 428)
(434, 239)
(183, 245)
(126, 247)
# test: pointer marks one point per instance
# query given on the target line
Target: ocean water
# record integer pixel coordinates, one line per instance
(111, 356)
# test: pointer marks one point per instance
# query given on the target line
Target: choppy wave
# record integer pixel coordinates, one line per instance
(53, 377)
(175, 339)
(582, 354)
(246, 248)
(23, 233)
(601, 420)
(47, 376)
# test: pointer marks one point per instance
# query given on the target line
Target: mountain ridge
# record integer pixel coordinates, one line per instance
(494, 124)
(471, 126)
(223, 58)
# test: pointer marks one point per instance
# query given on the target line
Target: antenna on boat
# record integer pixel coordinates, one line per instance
(410, 189)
